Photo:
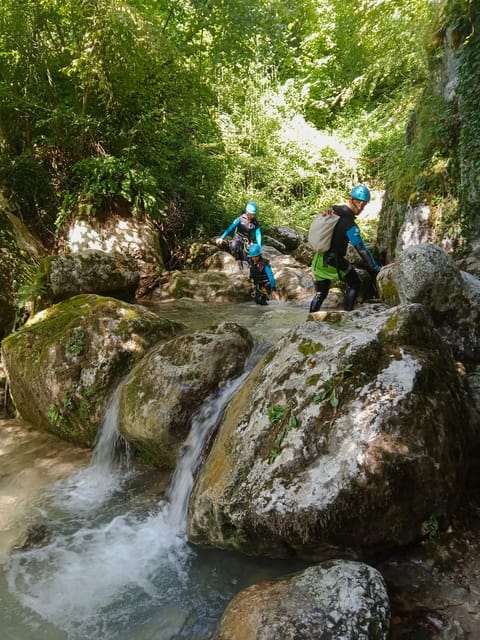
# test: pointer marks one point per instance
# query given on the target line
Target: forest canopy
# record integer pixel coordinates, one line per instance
(186, 109)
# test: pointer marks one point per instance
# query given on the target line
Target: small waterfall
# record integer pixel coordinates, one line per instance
(109, 469)
(101, 566)
(182, 482)
(110, 442)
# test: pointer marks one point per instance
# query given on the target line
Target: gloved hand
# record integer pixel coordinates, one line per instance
(219, 241)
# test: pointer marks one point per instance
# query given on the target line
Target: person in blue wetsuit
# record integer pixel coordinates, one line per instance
(333, 264)
(246, 230)
(262, 276)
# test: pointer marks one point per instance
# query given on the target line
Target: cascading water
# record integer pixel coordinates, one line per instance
(76, 581)
(117, 564)
(107, 473)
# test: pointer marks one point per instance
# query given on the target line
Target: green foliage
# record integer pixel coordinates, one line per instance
(76, 342)
(286, 420)
(431, 528)
(35, 290)
(54, 415)
(467, 26)
(276, 413)
(96, 184)
(332, 387)
(431, 154)
(57, 418)
(29, 186)
(187, 110)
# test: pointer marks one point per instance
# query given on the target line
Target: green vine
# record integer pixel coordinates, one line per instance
(333, 387)
(284, 418)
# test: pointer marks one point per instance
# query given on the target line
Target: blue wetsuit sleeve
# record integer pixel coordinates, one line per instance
(269, 273)
(258, 236)
(231, 228)
(353, 235)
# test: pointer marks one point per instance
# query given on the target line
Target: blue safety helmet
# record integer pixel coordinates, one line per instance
(255, 250)
(251, 208)
(360, 192)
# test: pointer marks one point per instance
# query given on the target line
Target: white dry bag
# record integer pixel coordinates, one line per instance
(321, 231)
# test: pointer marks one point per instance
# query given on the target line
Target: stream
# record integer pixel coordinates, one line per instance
(107, 556)
(113, 560)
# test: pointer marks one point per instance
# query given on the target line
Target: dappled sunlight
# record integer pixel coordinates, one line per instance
(134, 345)
(122, 237)
(40, 316)
(82, 236)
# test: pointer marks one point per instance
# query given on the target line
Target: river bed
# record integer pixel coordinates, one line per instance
(105, 552)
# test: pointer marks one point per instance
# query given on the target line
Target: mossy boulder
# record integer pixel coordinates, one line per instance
(427, 274)
(91, 271)
(346, 438)
(160, 398)
(209, 286)
(65, 362)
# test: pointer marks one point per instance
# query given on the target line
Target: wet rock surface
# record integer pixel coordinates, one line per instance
(434, 587)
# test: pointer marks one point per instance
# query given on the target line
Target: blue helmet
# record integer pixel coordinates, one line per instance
(251, 208)
(360, 192)
(254, 250)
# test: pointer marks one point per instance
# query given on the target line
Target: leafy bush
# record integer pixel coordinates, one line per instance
(95, 183)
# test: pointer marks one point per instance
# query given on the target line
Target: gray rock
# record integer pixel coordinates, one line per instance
(336, 600)
(348, 435)
(64, 364)
(92, 271)
(155, 417)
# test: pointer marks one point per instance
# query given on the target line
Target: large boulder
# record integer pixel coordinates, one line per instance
(335, 600)
(428, 275)
(208, 286)
(348, 436)
(121, 232)
(290, 238)
(224, 281)
(91, 271)
(292, 278)
(156, 417)
(304, 254)
(66, 361)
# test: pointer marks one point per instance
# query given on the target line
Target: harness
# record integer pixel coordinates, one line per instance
(246, 227)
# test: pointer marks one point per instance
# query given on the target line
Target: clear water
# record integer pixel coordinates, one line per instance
(116, 563)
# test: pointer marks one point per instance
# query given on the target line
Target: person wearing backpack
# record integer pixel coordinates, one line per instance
(333, 265)
(246, 230)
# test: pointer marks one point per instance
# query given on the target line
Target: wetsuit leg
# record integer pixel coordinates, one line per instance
(236, 245)
(260, 298)
(352, 279)
(262, 293)
(322, 287)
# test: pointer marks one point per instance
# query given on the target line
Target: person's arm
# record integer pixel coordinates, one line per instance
(258, 236)
(271, 279)
(230, 229)
(270, 276)
(353, 234)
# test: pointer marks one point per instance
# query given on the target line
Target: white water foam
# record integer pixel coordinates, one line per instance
(86, 577)
(89, 488)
